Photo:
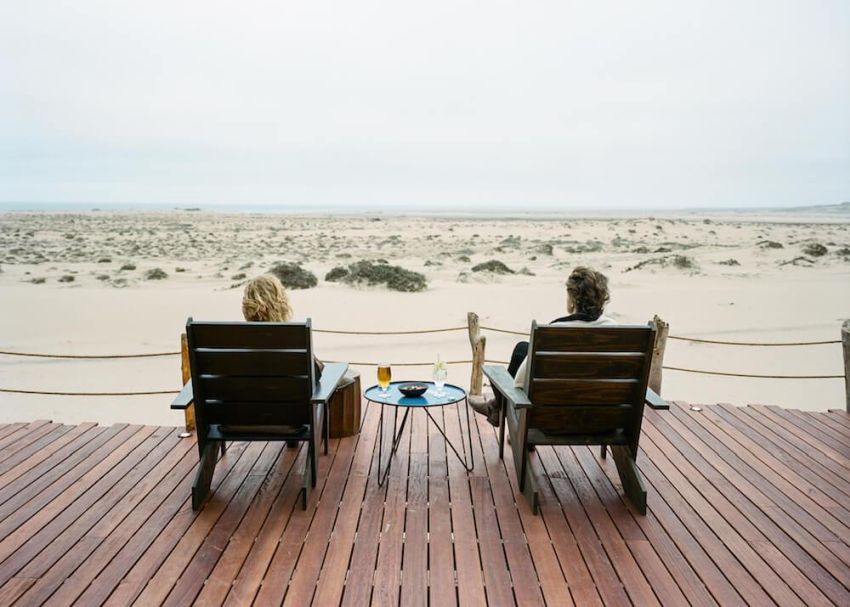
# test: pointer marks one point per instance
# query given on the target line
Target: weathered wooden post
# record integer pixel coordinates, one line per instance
(662, 328)
(845, 344)
(478, 343)
(186, 368)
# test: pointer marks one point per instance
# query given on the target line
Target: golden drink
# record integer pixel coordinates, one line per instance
(385, 375)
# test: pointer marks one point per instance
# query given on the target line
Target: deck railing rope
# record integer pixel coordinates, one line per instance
(477, 360)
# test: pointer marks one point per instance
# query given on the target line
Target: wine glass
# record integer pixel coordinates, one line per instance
(385, 375)
(439, 376)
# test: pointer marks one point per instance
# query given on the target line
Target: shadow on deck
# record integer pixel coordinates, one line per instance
(745, 505)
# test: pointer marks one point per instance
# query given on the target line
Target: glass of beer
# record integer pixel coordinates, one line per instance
(385, 375)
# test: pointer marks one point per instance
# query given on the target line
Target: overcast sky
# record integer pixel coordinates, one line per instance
(444, 103)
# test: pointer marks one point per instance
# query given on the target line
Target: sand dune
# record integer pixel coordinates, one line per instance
(104, 282)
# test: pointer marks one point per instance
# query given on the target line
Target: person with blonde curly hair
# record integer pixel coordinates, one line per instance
(265, 300)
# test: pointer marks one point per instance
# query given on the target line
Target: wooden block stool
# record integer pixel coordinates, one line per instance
(344, 407)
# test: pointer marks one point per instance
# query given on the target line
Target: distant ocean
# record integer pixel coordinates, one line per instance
(834, 211)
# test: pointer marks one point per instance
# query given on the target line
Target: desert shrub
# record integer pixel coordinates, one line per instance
(293, 276)
(433, 263)
(770, 244)
(394, 277)
(239, 276)
(843, 252)
(155, 274)
(464, 258)
(66, 278)
(815, 249)
(545, 249)
(103, 277)
(729, 262)
(336, 274)
(526, 272)
(494, 265)
(104, 260)
(40, 280)
(683, 262)
(128, 266)
(179, 269)
(641, 249)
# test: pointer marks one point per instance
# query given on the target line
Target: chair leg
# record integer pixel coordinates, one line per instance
(604, 451)
(204, 475)
(630, 476)
(311, 457)
(502, 423)
(327, 427)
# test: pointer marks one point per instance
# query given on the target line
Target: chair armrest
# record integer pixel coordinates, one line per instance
(654, 400)
(184, 399)
(503, 383)
(329, 380)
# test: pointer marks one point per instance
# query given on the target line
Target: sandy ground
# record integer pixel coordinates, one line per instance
(63, 290)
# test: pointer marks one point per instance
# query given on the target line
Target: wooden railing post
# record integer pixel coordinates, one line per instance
(662, 328)
(845, 344)
(186, 369)
(478, 343)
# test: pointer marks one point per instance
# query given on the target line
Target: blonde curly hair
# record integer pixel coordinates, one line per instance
(266, 300)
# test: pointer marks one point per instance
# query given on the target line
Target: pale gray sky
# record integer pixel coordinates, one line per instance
(452, 103)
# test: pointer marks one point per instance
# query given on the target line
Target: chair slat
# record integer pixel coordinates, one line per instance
(264, 389)
(238, 361)
(257, 414)
(580, 420)
(248, 335)
(588, 365)
(547, 392)
(556, 338)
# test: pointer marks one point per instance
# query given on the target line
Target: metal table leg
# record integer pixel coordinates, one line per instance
(382, 476)
(463, 460)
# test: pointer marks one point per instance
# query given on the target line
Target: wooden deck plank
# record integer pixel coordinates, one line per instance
(117, 539)
(441, 558)
(51, 515)
(237, 547)
(642, 534)
(740, 487)
(483, 576)
(840, 461)
(192, 580)
(332, 578)
(414, 566)
(27, 446)
(184, 531)
(745, 505)
(689, 512)
(797, 460)
(50, 479)
(602, 570)
(171, 571)
(20, 434)
(536, 542)
(101, 518)
(640, 586)
(364, 553)
(22, 467)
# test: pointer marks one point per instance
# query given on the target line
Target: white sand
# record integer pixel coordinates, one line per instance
(758, 300)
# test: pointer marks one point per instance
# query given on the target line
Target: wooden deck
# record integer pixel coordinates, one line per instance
(746, 505)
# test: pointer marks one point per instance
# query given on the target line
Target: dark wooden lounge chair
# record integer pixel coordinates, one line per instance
(585, 386)
(255, 381)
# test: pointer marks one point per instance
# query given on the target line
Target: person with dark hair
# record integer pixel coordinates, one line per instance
(587, 295)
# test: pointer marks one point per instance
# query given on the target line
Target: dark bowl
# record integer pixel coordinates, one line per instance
(412, 389)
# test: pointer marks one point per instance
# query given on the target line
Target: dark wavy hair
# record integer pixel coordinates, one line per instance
(588, 290)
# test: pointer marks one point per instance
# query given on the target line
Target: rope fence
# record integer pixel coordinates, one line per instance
(416, 364)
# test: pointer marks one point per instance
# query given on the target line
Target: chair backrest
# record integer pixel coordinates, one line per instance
(589, 380)
(251, 373)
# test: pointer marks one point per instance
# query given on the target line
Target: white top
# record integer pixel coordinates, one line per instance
(522, 372)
